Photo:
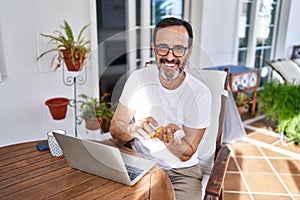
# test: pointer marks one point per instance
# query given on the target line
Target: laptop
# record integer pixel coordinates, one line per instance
(103, 160)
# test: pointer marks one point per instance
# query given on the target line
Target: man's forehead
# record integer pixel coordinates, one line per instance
(172, 34)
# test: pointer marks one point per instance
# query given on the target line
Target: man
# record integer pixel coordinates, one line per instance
(167, 96)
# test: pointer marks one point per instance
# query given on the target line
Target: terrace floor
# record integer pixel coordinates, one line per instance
(261, 166)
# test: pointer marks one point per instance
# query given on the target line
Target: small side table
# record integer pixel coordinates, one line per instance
(242, 78)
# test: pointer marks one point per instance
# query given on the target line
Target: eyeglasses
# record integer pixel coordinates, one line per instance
(163, 50)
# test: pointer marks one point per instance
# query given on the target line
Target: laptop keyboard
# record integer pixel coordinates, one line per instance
(133, 172)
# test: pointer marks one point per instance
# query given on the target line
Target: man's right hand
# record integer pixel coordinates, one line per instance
(143, 128)
(137, 132)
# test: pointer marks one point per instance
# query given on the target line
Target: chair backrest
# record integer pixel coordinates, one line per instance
(287, 69)
(217, 82)
(296, 52)
(297, 61)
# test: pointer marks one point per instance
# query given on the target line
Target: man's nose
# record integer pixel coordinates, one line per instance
(170, 55)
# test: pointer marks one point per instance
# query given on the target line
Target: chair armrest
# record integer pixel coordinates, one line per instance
(216, 179)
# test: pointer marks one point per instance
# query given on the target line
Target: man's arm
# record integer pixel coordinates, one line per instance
(121, 128)
(120, 123)
(188, 145)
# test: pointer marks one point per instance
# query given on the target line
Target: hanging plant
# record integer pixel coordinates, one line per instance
(72, 51)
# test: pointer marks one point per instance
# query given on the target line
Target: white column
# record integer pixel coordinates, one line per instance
(281, 39)
(145, 31)
(196, 18)
(131, 34)
(252, 34)
(94, 46)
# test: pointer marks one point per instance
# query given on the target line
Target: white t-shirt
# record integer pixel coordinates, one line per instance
(188, 105)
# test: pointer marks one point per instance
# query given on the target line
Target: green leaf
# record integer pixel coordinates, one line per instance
(69, 32)
(81, 32)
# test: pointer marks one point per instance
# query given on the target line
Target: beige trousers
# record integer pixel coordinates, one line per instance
(186, 182)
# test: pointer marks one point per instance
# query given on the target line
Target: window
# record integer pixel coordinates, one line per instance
(161, 9)
(257, 31)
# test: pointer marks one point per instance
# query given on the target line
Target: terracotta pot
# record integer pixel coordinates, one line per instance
(58, 107)
(93, 124)
(72, 65)
(241, 109)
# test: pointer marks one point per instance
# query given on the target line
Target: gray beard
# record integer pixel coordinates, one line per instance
(166, 76)
(170, 77)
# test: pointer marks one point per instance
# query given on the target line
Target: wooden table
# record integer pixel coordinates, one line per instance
(26, 173)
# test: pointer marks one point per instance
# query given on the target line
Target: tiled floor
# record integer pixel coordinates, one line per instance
(262, 167)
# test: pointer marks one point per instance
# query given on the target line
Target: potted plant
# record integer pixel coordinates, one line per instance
(96, 112)
(240, 100)
(72, 51)
(281, 103)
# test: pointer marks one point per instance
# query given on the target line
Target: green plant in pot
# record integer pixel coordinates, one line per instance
(73, 51)
(281, 103)
(96, 112)
(240, 100)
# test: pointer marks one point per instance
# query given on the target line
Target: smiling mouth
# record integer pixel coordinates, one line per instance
(168, 63)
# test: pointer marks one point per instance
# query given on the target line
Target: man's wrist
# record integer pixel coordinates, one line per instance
(131, 129)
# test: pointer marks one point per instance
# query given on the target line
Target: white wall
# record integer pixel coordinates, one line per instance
(26, 83)
(288, 30)
(218, 30)
(216, 20)
(293, 29)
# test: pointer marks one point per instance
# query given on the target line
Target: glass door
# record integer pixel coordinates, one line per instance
(257, 33)
(111, 43)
